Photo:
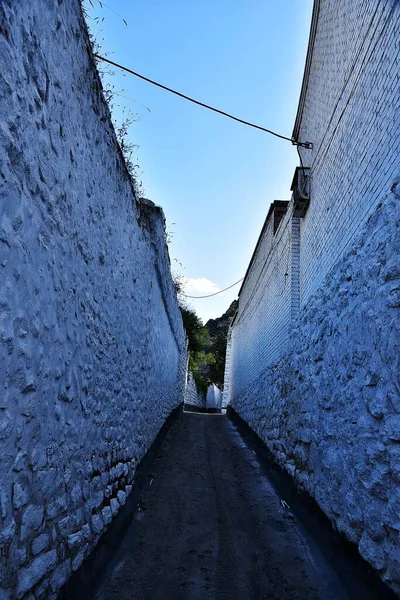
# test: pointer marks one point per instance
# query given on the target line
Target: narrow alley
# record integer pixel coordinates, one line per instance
(210, 525)
(269, 133)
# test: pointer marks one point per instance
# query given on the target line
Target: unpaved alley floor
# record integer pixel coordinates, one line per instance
(211, 526)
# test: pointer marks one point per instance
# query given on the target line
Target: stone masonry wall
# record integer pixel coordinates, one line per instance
(214, 397)
(228, 370)
(93, 350)
(329, 409)
(192, 396)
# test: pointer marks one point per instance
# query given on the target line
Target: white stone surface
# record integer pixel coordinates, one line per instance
(192, 396)
(314, 359)
(214, 397)
(329, 409)
(39, 567)
(228, 370)
(92, 348)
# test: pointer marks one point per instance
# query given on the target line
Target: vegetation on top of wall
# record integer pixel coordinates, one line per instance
(207, 344)
(122, 119)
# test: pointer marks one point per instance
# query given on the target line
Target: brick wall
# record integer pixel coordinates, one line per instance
(261, 332)
(351, 115)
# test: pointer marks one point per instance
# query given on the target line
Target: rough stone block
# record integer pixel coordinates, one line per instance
(376, 402)
(107, 515)
(6, 424)
(393, 564)
(97, 524)
(38, 459)
(20, 555)
(60, 575)
(114, 505)
(40, 543)
(3, 504)
(394, 461)
(46, 480)
(87, 534)
(391, 429)
(32, 519)
(68, 524)
(42, 590)
(392, 514)
(121, 497)
(59, 506)
(372, 551)
(7, 533)
(32, 574)
(76, 494)
(96, 499)
(105, 478)
(21, 462)
(20, 496)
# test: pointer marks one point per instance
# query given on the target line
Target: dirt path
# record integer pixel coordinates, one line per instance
(210, 526)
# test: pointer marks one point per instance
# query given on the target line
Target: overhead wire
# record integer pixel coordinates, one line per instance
(263, 261)
(212, 108)
(298, 144)
(215, 293)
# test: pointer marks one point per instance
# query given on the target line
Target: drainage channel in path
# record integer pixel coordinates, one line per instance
(214, 521)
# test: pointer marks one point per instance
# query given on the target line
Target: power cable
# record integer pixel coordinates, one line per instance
(217, 110)
(215, 293)
(263, 261)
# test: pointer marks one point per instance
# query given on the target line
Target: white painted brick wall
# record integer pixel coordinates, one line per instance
(261, 329)
(352, 117)
(93, 353)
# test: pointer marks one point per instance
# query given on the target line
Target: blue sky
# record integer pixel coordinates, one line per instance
(214, 178)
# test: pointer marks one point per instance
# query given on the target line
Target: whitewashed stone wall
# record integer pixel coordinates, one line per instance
(92, 344)
(213, 397)
(326, 397)
(192, 396)
(228, 370)
(329, 410)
